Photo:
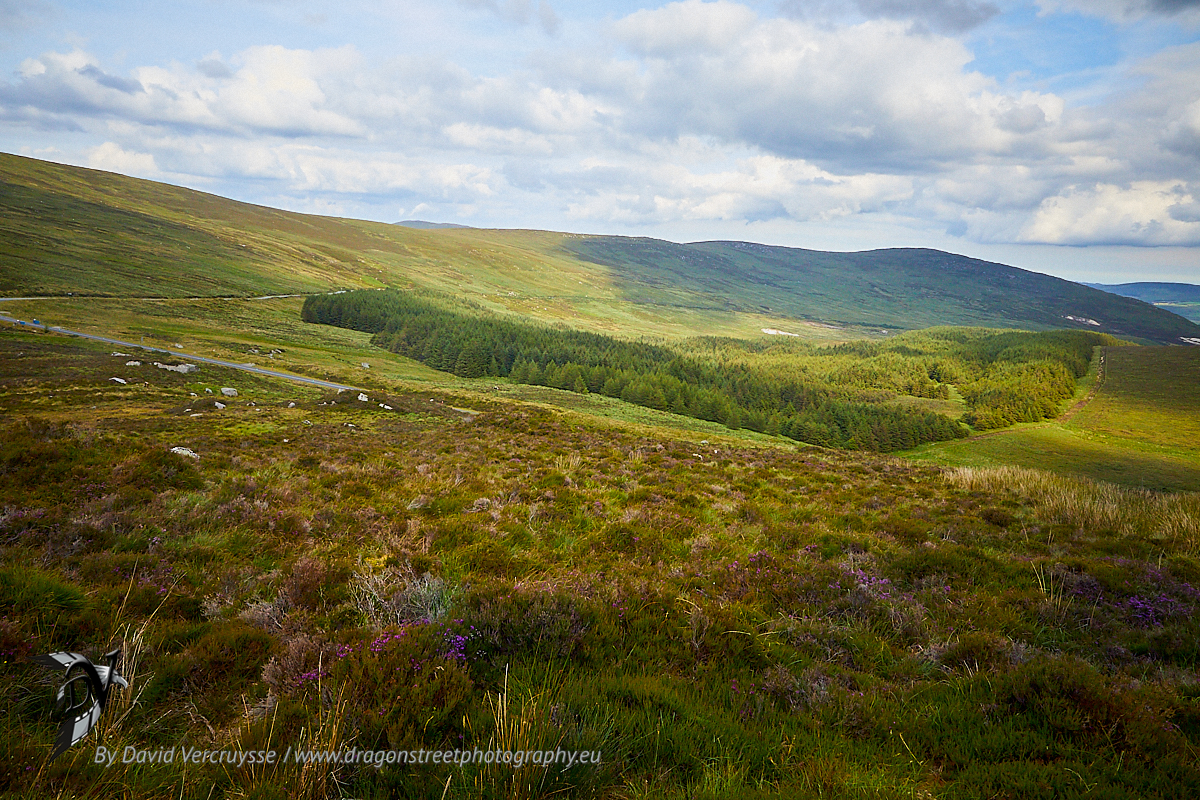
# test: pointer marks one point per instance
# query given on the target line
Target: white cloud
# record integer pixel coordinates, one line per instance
(274, 90)
(1142, 213)
(111, 157)
(686, 28)
(872, 96)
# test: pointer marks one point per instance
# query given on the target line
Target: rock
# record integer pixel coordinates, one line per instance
(121, 381)
(121, 355)
(218, 405)
(182, 369)
(362, 398)
(291, 405)
(365, 365)
(133, 363)
(208, 391)
(185, 452)
(228, 392)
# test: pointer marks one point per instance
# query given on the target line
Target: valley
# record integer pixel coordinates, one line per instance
(463, 551)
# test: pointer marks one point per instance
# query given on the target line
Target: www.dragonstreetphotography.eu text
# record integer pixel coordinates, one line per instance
(565, 759)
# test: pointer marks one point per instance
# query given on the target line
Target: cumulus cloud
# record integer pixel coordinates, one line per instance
(274, 90)
(113, 158)
(1142, 213)
(873, 96)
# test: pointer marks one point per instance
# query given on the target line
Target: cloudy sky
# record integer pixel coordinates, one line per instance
(1056, 135)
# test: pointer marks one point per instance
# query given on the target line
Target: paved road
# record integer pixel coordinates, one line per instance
(270, 373)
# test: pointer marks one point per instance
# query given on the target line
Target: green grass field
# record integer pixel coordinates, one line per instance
(1142, 429)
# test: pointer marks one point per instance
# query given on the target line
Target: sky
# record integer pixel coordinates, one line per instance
(1061, 136)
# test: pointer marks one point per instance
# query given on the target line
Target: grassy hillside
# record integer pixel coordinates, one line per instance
(1141, 429)
(898, 288)
(717, 620)
(72, 230)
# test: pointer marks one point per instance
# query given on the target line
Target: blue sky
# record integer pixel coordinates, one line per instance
(1061, 135)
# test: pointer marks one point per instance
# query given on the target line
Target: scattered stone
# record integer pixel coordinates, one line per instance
(362, 398)
(192, 394)
(228, 392)
(193, 416)
(308, 422)
(291, 405)
(365, 365)
(121, 381)
(208, 391)
(133, 363)
(218, 405)
(185, 452)
(121, 355)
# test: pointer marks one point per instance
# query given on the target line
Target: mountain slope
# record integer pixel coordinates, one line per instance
(894, 288)
(68, 230)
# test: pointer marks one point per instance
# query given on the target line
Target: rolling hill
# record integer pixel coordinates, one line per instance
(892, 288)
(1180, 298)
(70, 230)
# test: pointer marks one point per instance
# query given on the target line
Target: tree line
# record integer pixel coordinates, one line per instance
(835, 397)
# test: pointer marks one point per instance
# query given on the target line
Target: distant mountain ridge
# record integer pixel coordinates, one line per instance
(891, 288)
(70, 230)
(1153, 291)
(1180, 298)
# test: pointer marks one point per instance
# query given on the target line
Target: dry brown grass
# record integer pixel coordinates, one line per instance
(1093, 506)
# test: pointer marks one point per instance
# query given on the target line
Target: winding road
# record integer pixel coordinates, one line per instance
(270, 373)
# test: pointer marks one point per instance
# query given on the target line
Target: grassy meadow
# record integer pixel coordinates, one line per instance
(1140, 429)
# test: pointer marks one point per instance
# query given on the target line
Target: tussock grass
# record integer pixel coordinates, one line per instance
(1091, 506)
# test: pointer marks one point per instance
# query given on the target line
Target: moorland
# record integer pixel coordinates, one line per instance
(574, 502)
